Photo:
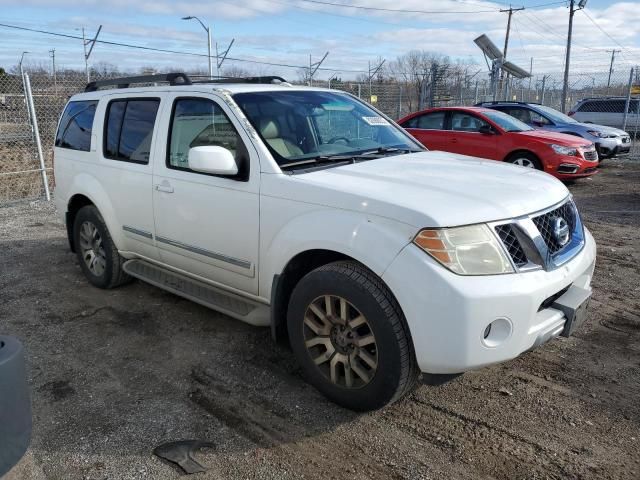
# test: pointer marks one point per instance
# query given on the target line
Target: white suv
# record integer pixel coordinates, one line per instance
(307, 210)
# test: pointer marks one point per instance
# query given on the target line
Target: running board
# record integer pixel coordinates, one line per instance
(207, 295)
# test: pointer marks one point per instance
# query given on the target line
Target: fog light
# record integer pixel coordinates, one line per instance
(496, 332)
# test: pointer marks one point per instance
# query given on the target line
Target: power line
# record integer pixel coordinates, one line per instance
(175, 52)
(391, 10)
(603, 31)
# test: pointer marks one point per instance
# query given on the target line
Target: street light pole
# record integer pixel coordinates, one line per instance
(20, 63)
(208, 30)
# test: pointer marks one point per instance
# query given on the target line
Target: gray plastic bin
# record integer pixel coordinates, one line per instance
(15, 404)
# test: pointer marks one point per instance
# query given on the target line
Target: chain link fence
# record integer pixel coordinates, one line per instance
(596, 98)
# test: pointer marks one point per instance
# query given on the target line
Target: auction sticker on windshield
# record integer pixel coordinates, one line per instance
(375, 121)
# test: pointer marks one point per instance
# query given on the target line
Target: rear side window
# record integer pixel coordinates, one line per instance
(74, 131)
(610, 106)
(129, 128)
(427, 121)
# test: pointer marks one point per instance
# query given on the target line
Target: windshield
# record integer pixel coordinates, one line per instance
(507, 122)
(305, 124)
(554, 115)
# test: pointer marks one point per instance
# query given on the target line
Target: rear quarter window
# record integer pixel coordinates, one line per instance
(129, 124)
(76, 125)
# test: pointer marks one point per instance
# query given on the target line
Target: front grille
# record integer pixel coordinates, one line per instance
(591, 155)
(511, 243)
(545, 222)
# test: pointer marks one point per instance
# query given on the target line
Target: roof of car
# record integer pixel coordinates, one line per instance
(438, 109)
(197, 87)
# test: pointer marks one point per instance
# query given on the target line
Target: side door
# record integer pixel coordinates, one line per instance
(429, 129)
(126, 146)
(467, 139)
(207, 225)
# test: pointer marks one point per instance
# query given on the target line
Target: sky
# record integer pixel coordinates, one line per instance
(289, 31)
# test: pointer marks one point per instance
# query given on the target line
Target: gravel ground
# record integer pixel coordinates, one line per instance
(115, 373)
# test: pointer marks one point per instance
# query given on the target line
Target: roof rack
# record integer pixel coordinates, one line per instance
(609, 97)
(177, 78)
(495, 102)
(262, 79)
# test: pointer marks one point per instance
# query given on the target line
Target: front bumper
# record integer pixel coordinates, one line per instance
(566, 167)
(448, 314)
(609, 147)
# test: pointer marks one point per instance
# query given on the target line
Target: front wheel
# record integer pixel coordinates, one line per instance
(350, 337)
(526, 160)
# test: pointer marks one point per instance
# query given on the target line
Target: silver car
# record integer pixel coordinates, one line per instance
(609, 141)
(607, 111)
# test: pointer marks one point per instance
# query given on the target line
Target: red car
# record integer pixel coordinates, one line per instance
(486, 133)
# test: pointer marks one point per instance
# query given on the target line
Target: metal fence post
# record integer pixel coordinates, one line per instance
(626, 103)
(34, 120)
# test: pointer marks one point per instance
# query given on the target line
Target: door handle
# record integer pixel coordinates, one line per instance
(164, 187)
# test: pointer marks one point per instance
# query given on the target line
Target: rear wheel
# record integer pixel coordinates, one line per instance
(98, 256)
(525, 159)
(350, 337)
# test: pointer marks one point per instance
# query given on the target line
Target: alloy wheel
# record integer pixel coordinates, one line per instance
(524, 162)
(92, 250)
(340, 341)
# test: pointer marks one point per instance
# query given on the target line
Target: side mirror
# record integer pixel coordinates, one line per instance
(486, 130)
(212, 159)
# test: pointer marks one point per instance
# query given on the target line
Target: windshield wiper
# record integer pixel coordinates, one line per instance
(382, 151)
(352, 158)
(319, 159)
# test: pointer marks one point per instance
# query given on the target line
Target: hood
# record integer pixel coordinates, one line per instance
(428, 189)
(563, 139)
(600, 128)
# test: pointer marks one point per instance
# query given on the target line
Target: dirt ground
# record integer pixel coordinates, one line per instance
(115, 373)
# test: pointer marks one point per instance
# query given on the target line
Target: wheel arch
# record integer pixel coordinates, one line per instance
(87, 190)
(285, 282)
(76, 202)
(521, 151)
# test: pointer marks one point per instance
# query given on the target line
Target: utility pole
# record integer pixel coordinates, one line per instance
(510, 11)
(530, 77)
(313, 67)
(86, 42)
(613, 56)
(372, 73)
(52, 52)
(220, 61)
(565, 84)
(86, 59)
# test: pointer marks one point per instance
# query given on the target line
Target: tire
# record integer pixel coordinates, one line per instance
(372, 349)
(98, 256)
(525, 159)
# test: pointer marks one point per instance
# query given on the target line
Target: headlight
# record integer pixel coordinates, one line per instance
(595, 133)
(561, 150)
(471, 250)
